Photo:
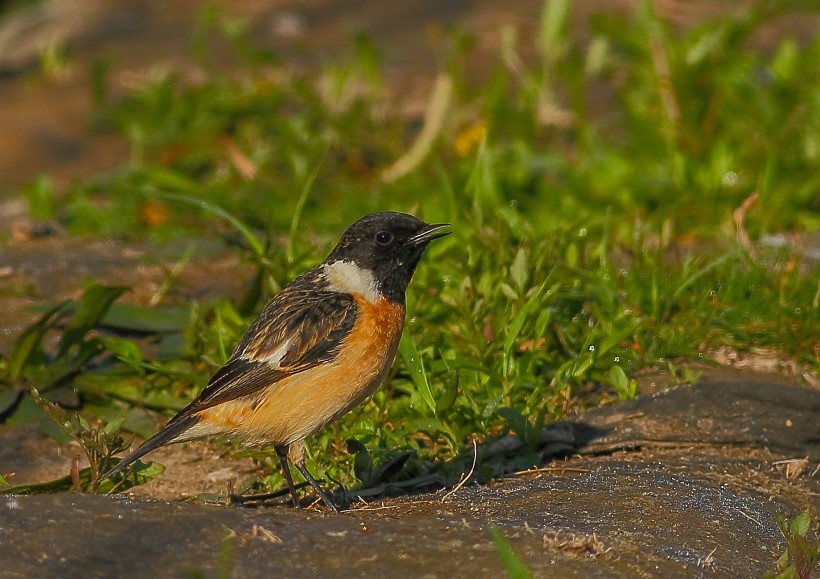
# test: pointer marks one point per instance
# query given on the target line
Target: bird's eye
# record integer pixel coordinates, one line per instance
(384, 238)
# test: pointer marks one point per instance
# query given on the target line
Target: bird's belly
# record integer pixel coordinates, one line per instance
(304, 403)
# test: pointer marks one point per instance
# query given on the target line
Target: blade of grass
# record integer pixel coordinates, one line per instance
(300, 204)
(415, 365)
(514, 567)
(254, 243)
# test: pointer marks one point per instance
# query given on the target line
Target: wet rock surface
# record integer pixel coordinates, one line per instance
(780, 418)
(684, 483)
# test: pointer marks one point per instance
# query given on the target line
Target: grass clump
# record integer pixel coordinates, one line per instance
(593, 237)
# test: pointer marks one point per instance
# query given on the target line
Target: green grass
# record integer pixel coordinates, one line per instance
(587, 245)
(512, 564)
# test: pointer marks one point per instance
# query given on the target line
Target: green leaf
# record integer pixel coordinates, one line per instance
(40, 197)
(68, 364)
(801, 524)
(29, 340)
(63, 484)
(514, 567)
(88, 313)
(447, 399)
(424, 425)
(571, 256)
(552, 33)
(508, 291)
(59, 415)
(136, 420)
(482, 182)
(415, 366)
(146, 319)
(613, 339)
(141, 473)
(8, 398)
(515, 420)
(520, 269)
(124, 349)
(362, 463)
(135, 318)
(514, 327)
(113, 426)
(618, 379)
(140, 422)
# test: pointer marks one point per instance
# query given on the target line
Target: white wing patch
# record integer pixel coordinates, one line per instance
(276, 356)
(347, 277)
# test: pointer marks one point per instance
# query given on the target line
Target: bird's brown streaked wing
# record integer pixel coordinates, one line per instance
(237, 378)
(302, 331)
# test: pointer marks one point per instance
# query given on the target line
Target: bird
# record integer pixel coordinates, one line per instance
(319, 348)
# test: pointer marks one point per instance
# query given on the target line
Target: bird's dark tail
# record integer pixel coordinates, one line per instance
(171, 431)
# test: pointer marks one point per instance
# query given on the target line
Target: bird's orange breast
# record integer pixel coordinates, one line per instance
(304, 403)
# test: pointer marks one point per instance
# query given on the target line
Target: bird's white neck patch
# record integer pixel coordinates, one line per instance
(347, 277)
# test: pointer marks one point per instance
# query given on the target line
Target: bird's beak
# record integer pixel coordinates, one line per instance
(430, 233)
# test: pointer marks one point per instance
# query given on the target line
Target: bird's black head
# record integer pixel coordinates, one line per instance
(382, 249)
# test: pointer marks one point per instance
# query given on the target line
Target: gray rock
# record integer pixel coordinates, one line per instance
(679, 484)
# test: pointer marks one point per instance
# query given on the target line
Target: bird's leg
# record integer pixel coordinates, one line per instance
(282, 453)
(297, 457)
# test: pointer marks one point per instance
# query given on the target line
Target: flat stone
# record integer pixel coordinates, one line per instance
(741, 414)
(680, 484)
